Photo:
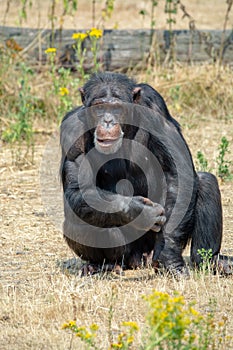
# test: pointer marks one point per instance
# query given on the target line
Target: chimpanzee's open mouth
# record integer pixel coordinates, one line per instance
(107, 142)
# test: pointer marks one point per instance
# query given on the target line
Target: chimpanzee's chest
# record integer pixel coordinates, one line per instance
(123, 177)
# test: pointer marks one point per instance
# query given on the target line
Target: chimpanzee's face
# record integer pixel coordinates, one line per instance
(108, 134)
(98, 94)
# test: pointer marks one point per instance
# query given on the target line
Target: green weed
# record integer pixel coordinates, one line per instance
(80, 52)
(202, 162)
(223, 165)
(107, 11)
(20, 128)
(93, 35)
(171, 10)
(206, 257)
(61, 81)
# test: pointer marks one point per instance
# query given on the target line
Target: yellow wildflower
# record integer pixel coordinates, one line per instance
(63, 91)
(64, 326)
(130, 339)
(194, 312)
(69, 325)
(51, 50)
(96, 33)
(88, 335)
(116, 345)
(131, 324)
(94, 327)
(79, 36)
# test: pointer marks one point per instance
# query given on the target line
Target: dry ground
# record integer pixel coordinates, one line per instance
(207, 14)
(37, 293)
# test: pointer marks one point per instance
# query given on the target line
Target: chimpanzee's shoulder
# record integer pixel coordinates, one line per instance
(73, 112)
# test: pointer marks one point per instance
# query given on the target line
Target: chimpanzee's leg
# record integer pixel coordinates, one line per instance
(207, 232)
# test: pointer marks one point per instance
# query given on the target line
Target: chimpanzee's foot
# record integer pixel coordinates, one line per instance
(89, 269)
(177, 269)
(137, 261)
(222, 265)
(147, 259)
(182, 272)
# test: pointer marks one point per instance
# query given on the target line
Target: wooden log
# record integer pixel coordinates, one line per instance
(122, 49)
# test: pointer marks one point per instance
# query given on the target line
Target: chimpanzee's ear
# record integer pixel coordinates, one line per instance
(136, 94)
(82, 95)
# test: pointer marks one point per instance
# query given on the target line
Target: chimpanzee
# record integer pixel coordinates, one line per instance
(130, 188)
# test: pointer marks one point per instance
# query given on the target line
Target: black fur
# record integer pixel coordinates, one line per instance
(202, 223)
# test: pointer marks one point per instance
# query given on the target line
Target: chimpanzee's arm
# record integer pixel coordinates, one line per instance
(102, 208)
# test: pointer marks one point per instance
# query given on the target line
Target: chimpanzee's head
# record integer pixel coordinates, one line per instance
(108, 88)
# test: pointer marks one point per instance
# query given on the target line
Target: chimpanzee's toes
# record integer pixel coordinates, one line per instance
(88, 269)
(147, 259)
(118, 270)
(182, 273)
(223, 267)
(135, 261)
(178, 272)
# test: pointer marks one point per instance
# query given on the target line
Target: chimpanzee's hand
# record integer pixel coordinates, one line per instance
(146, 214)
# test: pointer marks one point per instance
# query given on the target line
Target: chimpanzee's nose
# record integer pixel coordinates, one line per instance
(108, 119)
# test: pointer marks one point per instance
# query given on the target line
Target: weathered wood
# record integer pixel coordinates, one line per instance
(121, 49)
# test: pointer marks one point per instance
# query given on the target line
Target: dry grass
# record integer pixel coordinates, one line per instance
(37, 295)
(208, 15)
